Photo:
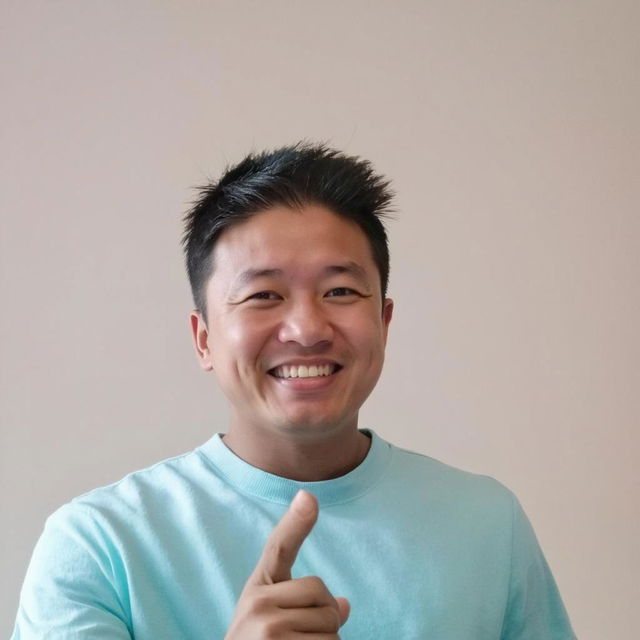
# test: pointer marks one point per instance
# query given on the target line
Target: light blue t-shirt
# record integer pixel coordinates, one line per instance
(421, 550)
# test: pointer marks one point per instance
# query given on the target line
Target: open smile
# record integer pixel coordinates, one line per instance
(306, 378)
(287, 372)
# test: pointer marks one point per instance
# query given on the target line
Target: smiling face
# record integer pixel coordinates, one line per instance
(296, 324)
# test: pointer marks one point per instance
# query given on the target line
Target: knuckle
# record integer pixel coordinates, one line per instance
(330, 619)
(315, 584)
(259, 603)
(272, 628)
(277, 549)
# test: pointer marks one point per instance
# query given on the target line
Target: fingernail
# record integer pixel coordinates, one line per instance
(302, 504)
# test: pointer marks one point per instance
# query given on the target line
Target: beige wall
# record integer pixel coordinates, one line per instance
(511, 132)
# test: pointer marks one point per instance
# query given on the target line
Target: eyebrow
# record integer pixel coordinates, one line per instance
(350, 268)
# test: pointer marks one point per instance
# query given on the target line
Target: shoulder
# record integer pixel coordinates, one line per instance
(436, 471)
(156, 488)
(444, 484)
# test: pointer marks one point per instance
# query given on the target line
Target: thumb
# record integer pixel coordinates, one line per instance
(344, 609)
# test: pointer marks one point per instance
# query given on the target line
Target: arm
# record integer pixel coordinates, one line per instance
(72, 588)
(534, 608)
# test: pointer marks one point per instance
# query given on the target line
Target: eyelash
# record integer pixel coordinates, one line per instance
(348, 291)
(266, 295)
(260, 295)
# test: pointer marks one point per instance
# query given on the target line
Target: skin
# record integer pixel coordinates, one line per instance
(305, 312)
(293, 287)
(272, 605)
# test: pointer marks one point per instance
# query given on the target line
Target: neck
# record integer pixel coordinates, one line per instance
(297, 459)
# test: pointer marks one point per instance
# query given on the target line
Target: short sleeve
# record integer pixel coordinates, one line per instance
(70, 589)
(534, 609)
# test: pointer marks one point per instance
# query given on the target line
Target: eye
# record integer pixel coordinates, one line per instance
(342, 291)
(264, 295)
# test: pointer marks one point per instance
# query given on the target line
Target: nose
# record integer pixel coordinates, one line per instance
(306, 323)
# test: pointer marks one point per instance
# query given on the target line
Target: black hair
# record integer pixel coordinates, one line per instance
(293, 176)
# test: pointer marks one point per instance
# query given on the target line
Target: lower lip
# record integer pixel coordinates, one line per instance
(307, 384)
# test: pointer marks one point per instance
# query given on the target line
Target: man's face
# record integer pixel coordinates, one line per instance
(296, 325)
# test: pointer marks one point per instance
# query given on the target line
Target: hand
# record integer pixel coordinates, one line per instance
(272, 605)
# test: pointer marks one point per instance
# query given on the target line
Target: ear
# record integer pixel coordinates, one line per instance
(387, 313)
(200, 336)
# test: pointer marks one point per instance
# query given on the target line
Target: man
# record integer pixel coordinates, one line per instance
(293, 523)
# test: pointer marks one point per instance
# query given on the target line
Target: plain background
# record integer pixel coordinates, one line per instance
(511, 133)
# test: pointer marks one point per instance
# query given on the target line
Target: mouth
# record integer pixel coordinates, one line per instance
(320, 370)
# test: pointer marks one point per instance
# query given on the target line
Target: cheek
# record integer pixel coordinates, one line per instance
(245, 340)
(372, 346)
(365, 331)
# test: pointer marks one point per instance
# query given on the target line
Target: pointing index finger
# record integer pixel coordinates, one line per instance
(283, 544)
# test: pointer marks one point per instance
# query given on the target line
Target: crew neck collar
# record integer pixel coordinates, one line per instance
(251, 480)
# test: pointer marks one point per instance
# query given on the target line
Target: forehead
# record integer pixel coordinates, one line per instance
(291, 239)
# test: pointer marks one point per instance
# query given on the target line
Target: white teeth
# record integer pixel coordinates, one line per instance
(302, 371)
